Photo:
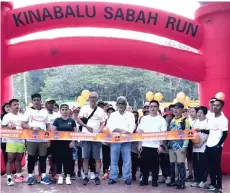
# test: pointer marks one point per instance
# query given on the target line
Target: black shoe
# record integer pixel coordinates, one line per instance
(142, 183)
(79, 174)
(128, 182)
(111, 181)
(85, 181)
(180, 187)
(172, 184)
(97, 181)
(73, 176)
(134, 177)
(154, 183)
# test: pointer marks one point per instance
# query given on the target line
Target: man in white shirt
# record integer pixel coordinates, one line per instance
(92, 118)
(36, 119)
(150, 149)
(218, 130)
(15, 148)
(121, 122)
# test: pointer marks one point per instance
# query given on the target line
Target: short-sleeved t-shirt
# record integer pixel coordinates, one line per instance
(216, 125)
(95, 121)
(13, 120)
(36, 118)
(64, 125)
(52, 117)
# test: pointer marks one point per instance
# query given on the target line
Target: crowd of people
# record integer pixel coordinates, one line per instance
(68, 159)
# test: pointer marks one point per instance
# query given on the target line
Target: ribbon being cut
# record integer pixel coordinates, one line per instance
(101, 137)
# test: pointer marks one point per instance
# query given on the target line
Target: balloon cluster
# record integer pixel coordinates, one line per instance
(182, 98)
(81, 100)
(150, 96)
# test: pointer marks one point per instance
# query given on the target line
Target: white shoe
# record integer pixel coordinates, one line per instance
(150, 178)
(92, 176)
(201, 185)
(68, 181)
(168, 180)
(10, 182)
(195, 184)
(60, 180)
(82, 175)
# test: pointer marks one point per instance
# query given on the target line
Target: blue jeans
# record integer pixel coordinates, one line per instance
(125, 149)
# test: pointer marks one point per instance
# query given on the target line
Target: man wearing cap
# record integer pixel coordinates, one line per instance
(121, 122)
(178, 148)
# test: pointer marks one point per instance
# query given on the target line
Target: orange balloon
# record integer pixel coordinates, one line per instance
(186, 101)
(149, 96)
(158, 96)
(181, 97)
(220, 95)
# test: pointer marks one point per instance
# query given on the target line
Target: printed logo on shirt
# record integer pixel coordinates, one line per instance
(38, 119)
(69, 123)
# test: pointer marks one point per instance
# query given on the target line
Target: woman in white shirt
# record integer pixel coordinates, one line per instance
(199, 161)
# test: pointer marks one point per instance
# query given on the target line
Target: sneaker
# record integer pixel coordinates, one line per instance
(150, 178)
(111, 182)
(30, 181)
(180, 187)
(168, 180)
(73, 176)
(195, 184)
(97, 181)
(85, 181)
(60, 180)
(68, 181)
(189, 178)
(10, 182)
(106, 176)
(201, 185)
(161, 180)
(46, 181)
(171, 184)
(142, 183)
(128, 182)
(79, 174)
(92, 176)
(209, 188)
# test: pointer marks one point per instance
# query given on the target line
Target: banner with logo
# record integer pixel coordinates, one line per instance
(102, 137)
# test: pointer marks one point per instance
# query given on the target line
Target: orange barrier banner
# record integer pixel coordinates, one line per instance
(102, 137)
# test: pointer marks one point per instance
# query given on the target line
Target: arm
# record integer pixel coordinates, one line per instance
(6, 123)
(25, 122)
(187, 127)
(222, 139)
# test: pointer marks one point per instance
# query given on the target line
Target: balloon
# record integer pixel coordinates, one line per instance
(158, 96)
(181, 97)
(81, 100)
(186, 101)
(175, 101)
(149, 96)
(85, 94)
(220, 95)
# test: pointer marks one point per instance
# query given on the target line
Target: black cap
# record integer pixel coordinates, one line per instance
(179, 105)
(110, 108)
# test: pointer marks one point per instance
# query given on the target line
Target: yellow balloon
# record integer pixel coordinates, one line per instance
(181, 97)
(85, 94)
(81, 100)
(220, 95)
(158, 96)
(149, 96)
(186, 101)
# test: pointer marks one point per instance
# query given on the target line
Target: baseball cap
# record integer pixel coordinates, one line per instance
(212, 100)
(110, 108)
(77, 109)
(146, 105)
(179, 105)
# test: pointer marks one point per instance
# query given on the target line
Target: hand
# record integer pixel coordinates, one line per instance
(71, 145)
(36, 128)
(183, 150)
(160, 149)
(12, 127)
(48, 143)
(90, 129)
(139, 148)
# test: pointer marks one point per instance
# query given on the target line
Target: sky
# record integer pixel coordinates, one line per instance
(185, 8)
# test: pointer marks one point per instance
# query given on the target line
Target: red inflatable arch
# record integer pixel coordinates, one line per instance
(209, 33)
